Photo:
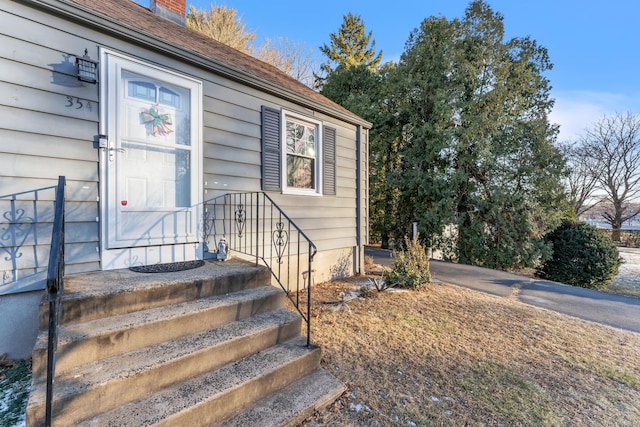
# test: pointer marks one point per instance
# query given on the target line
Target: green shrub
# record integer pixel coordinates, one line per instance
(582, 256)
(410, 268)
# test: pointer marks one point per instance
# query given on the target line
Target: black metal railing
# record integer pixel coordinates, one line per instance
(21, 215)
(254, 225)
(55, 287)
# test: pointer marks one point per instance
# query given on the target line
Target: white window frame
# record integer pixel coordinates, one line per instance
(319, 161)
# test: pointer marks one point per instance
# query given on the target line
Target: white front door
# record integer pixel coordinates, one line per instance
(151, 172)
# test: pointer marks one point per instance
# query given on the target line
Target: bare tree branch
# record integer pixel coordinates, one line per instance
(582, 180)
(613, 147)
(223, 24)
(291, 57)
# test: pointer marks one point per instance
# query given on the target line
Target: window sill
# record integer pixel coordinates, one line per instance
(301, 192)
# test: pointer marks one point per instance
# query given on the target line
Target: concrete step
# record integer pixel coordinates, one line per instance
(110, 383)
(94, 295)
(81, 343)
(172, 349)
(209, 398)
(291, 405)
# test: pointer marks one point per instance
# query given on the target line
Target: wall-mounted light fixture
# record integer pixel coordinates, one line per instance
(87, 68)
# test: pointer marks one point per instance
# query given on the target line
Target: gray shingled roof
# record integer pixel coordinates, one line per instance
(137, 24)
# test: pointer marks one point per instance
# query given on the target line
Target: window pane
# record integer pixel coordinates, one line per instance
(155, 135)
(301, 139)
(168, 97)
(142, 90)
(156, 177)
(183, 178)
(300, 172)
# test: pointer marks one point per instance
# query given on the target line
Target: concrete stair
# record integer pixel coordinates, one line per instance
(202, 347)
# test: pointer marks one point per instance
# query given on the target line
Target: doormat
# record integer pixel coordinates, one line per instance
(168, 268)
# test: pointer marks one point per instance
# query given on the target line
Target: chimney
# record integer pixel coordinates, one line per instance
(173, 10)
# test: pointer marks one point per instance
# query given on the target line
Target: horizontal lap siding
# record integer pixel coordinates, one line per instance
(364, 189)
(233, 156)
(231, 137)
(44, 134)
(46, 130)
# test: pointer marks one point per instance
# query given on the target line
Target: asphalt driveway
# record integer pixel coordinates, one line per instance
(601, 307)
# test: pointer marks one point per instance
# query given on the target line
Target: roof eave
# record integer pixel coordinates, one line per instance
(82, 15)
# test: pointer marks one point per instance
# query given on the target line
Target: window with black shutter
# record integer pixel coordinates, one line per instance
(298, 154)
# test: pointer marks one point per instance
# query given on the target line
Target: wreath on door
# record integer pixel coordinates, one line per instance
(157, 122)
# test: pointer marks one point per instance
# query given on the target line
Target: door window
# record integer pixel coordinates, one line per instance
(156, 166)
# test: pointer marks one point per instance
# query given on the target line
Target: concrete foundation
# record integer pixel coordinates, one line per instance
(19, 325)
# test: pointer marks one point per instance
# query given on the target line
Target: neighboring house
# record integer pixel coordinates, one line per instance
(172, 119)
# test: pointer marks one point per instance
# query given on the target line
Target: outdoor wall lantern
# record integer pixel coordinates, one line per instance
(87, 68)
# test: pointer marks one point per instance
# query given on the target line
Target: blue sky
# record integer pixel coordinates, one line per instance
(594, 45)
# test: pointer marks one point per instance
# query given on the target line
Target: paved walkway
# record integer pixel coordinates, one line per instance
(601, 307)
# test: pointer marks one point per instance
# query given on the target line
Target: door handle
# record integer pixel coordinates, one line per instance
(107, 145)
(112, 151)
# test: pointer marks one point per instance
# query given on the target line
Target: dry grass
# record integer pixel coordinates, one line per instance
(451, 356)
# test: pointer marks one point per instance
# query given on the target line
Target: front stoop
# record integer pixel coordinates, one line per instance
(209, 346)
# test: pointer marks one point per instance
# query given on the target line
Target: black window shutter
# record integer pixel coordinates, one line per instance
(271, 150)
(329, 161)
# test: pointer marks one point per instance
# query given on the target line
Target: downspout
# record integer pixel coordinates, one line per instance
(359, 255)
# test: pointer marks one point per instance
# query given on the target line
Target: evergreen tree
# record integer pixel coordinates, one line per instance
(479, 151)
(350, 46)
(370, 95)
(359, 84)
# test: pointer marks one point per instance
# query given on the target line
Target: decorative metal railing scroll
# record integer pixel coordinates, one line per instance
(25, 221)
(254, 225)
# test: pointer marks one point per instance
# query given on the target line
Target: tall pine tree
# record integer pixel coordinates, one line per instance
(350, 46)
(367, 93)
(355, 80)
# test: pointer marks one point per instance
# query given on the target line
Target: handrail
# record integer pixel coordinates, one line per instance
(55, 286)
(245, 220)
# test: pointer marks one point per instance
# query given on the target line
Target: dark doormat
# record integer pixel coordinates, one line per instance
(169, 267)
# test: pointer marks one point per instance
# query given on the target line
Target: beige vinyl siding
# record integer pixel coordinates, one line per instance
(231, 138)
(42, 136)
(27, 144)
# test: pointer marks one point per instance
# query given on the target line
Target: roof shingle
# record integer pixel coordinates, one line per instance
(136, 17)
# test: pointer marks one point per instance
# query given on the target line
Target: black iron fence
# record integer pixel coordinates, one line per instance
(252, 224)
(55, 287)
